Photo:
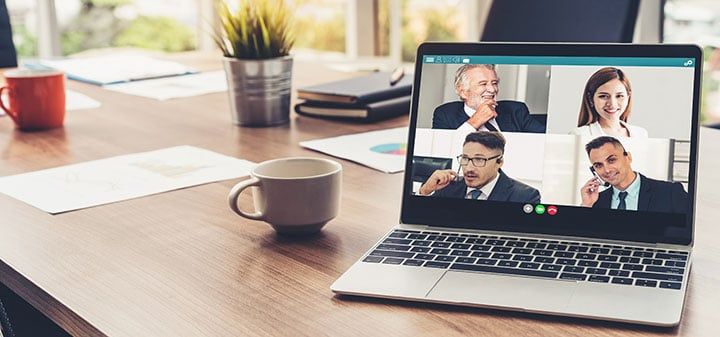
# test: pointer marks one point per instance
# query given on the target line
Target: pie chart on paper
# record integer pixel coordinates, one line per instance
(390, 148)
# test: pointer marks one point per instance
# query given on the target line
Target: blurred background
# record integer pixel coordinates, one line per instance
(378, 33)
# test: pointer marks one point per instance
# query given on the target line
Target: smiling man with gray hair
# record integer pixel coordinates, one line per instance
(478, 110)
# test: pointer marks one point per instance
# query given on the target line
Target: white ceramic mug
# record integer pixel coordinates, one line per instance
(294, 195)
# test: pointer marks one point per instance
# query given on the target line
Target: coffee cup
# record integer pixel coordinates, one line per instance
(36, 98)
(294, 195)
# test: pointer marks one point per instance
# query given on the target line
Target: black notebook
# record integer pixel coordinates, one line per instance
(359, 90)
(364, 113)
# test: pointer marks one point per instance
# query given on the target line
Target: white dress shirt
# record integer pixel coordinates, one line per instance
(469, 128)
(596, 130)
(485, 190)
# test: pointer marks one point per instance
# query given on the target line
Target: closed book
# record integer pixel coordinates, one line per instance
(364, 113)
(359, 90)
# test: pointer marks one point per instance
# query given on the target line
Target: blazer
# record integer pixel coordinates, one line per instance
(655, 196)
(506, 189)
(512, 116)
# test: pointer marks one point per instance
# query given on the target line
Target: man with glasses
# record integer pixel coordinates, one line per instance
(479, 110)
(482, 178)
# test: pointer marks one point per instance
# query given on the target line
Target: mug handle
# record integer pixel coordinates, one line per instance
(235, 193)
(2, 105)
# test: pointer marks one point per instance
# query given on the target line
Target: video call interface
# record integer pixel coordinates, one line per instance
(547, 132)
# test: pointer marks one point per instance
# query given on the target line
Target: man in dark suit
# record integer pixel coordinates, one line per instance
(630, 190)
(477, 87)
(482, 179)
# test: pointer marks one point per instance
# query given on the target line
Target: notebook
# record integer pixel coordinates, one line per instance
(359, 90)
(588, 212)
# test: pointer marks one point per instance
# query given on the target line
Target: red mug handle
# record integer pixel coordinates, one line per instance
(2, 105)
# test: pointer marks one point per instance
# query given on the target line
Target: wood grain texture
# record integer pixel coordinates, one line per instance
(182, 264)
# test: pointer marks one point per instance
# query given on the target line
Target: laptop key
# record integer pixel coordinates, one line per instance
(552, 267)
(390, 253)
(585, 256)
(530, 265)
(656, 276)
(536, 245)
(507, 263)
(524, 251)
(646, 283)
(622, 273)
(608, 258)
(572, 269)
(630, 266)
(597, 250)
(440, 251)
(554, 246)
(539, 252)
(563, 254)
(543, 259)
(417, 236)
(420, 249)
(598, 278)
(480, 254)
(399, 248)
(515, 244)
(670, 285)
(465, 260)
(522, 258)
(425, 256)
(484, 248)
(434, 264)
(588, 263)
(421, 243)
(501, 249)
(397, 241)
(676, 257)
(475, 241)
(502, 256)
(621, 252)
(504, 270)
(627, 259)
(458, 252)
(445, 258)
(578, 249)
(565, 262)
(415, 263)
(486, 262)
(670, 263)
(652, 262)
(622, 280)
(460, 246)
(373, 259)
(610, 265)
(494, 242)
(393, 260)
(399, 235)
(640, 253)
(573, 276)
(596, 271)
(441, 244)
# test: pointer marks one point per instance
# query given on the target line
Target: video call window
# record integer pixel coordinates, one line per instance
(596, 132)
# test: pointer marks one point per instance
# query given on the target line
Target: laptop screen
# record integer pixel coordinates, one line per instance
(573, 140)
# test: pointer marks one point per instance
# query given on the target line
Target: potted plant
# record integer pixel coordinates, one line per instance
(256, 39)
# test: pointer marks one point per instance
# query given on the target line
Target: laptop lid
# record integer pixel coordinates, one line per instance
(594, 140)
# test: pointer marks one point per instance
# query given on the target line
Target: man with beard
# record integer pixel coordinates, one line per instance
(482, 179)
(477, 87)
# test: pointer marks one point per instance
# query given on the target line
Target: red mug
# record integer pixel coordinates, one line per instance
(36, 98)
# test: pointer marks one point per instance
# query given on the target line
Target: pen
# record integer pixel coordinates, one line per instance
(397, 75)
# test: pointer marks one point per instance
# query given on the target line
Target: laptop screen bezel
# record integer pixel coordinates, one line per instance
(459, 213)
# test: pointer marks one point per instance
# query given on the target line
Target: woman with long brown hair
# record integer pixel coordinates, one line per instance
(606, 106)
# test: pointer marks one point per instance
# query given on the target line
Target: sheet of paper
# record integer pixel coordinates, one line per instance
(382, 150)
(77, 101)
(103, 181)
(118, 68)
(175, 87)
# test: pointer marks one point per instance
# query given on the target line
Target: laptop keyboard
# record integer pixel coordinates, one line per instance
(591, 262)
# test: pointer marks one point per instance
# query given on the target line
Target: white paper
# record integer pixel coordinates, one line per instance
(175, 87)
(382, 150)
(116, 68)
(77, 101)
(103, 181)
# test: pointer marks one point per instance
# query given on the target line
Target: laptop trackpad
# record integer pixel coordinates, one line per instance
(504, 291)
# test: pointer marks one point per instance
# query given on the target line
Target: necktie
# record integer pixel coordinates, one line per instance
(475, 194)
(622, 196)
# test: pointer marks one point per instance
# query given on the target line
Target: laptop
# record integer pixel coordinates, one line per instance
(585, 212)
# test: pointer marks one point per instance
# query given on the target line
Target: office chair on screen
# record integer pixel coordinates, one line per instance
(8, 55)
(561, 21)
(423, 167)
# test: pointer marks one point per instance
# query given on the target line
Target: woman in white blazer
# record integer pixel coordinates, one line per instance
(606, 106)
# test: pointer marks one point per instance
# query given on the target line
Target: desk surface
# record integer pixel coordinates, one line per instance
(182, 264)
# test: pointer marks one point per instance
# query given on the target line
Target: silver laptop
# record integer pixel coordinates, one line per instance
(571, 188)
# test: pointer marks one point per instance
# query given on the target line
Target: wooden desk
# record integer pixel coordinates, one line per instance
(182, 264)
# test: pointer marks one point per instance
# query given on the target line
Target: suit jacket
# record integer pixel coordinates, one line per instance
(506, 189)
(655, 196)
(511, 117)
